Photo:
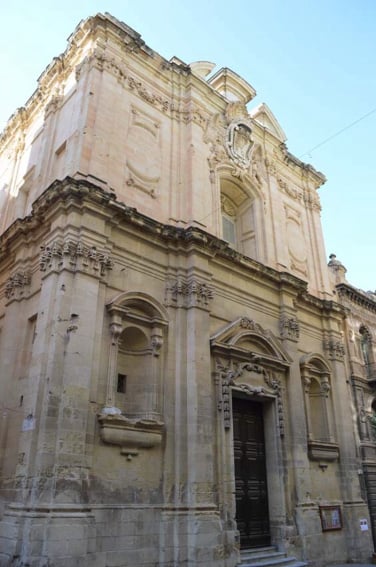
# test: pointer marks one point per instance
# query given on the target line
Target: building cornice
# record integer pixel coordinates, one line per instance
(356, 296)
(80, 193)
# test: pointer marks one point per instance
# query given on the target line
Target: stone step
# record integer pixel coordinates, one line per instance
(268, 557)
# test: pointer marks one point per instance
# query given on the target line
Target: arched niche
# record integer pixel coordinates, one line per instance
(316, 379)
(132, 415)
(366, 351)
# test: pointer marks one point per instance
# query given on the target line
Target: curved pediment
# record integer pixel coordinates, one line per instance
(246, 339)
(264, 116)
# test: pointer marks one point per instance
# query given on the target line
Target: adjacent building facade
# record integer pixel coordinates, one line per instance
(182, 376)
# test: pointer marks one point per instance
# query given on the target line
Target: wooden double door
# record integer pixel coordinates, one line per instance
(252, 514)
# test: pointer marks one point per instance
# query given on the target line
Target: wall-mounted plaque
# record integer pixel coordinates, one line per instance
(331, 518)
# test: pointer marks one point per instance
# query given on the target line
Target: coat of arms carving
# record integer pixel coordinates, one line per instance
(239, 143)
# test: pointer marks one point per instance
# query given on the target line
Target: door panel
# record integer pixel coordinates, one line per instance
(252, 513)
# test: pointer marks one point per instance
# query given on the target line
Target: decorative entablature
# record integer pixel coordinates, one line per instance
(306, 169)
(74, 194)
(86, 49)
(74, 255)
(324, 307)
(47, 96)
(365, 300)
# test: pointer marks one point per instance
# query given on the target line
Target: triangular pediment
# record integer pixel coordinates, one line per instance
(244, 335)
(264, 116)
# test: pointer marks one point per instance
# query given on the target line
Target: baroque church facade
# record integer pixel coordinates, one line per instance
(183, 377)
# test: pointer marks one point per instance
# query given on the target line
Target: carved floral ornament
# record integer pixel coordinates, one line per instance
(249, 360)
(17, 284)
(334, 347)
(229, 378)
(289, 327)
(74, 256)
(178, 112)
(188, 293)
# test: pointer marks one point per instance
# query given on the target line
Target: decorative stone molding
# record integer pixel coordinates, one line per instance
(289, 328)
(312, 200)
(74, 256)
(239, 143)
(131, 435)
(246, 323)
(320, 451)
(156, 341)
(53, 105)
(226, 378)
(17, 285)
(101, 61)
(276, 385)
(227, 206)
(288, 190)
(188, 293)
(143, 168)
(335, 348)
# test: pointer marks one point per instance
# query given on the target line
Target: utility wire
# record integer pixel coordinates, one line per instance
(338, 133)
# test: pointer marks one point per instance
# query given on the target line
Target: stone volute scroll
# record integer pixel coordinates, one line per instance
(131, 416)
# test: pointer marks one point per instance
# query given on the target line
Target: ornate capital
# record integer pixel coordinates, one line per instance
(188, 293)
(74, 256)
(334, 348)
(289, 328)
(17, 285)
(312, 200)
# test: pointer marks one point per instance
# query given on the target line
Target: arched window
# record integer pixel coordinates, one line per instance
(228, 211)
(241, 215)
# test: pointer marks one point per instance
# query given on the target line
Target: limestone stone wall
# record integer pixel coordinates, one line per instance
(161, 252)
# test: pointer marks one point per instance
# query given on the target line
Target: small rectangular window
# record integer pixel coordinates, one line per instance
(121, 383)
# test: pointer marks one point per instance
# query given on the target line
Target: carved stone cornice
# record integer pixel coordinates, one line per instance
(74, 256)
(74, 193)
(289, 328)
(317, 177)
(18, 285)
(117, 68)
(356, 296)
(188, 293)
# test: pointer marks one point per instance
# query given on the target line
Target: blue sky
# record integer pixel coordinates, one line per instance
(312, 62)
